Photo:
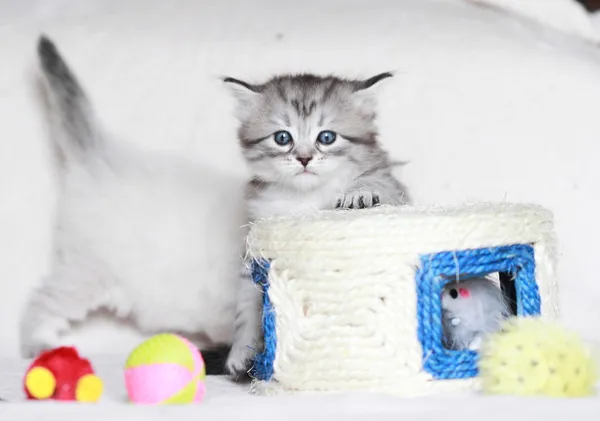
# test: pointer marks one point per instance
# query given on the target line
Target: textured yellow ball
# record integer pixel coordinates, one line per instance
(530, 357)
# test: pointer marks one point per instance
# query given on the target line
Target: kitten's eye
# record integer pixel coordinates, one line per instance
(326, 137)
(454, 293)
(282, 138)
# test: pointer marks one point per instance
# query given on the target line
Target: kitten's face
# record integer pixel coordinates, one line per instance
(301, 131)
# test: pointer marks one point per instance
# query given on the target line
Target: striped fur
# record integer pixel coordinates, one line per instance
(352, 172)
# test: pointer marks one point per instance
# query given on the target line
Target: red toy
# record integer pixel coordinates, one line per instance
(62, 374)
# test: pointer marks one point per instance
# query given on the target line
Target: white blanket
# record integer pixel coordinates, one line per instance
(227, 401)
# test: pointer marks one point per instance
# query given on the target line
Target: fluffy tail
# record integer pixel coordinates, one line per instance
(71, 112)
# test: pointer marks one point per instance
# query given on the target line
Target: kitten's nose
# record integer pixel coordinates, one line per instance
(304, 160)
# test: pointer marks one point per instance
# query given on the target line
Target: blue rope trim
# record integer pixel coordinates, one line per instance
(438, 269)
(263, 362)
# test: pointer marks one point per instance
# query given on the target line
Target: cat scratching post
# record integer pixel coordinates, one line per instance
(352, 298)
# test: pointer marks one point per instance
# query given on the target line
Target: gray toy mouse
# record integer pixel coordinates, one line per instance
(471, 308)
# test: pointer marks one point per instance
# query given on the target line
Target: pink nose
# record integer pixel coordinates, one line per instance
(304, 160)
(463, 292)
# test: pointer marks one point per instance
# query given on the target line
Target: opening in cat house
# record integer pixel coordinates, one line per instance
(464, 294)
(507, 286)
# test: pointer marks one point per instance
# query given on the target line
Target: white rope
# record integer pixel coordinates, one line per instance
(343, 289)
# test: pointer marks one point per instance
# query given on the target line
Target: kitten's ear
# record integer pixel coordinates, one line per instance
(245, 93)
(365, 91)
(362, 85)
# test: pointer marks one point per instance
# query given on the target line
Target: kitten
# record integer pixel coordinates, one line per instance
(155, 240)
(310, 143)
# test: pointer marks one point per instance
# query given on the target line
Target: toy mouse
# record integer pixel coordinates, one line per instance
(471, 308)
(62, 374)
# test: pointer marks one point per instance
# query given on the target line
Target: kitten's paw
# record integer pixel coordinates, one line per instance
(38, 342)
(358, 199)
(239, 362)
(32, 350)
(42, 337)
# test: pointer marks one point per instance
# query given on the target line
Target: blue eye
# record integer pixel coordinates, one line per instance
(282, 138)
(326, 137)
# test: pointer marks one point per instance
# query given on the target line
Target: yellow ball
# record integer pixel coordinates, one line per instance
(165, 369)
(530, 357)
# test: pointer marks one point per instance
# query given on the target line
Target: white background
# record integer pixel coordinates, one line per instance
(484, 105)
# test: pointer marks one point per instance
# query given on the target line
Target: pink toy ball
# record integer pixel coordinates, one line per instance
(165, 369)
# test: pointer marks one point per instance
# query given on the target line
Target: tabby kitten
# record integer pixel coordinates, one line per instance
(310, 143)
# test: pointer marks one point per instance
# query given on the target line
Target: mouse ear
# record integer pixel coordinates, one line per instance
(464, 292)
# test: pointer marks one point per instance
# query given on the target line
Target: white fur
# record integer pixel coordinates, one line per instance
(282, 201)
(340, 174)
(135, 234)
